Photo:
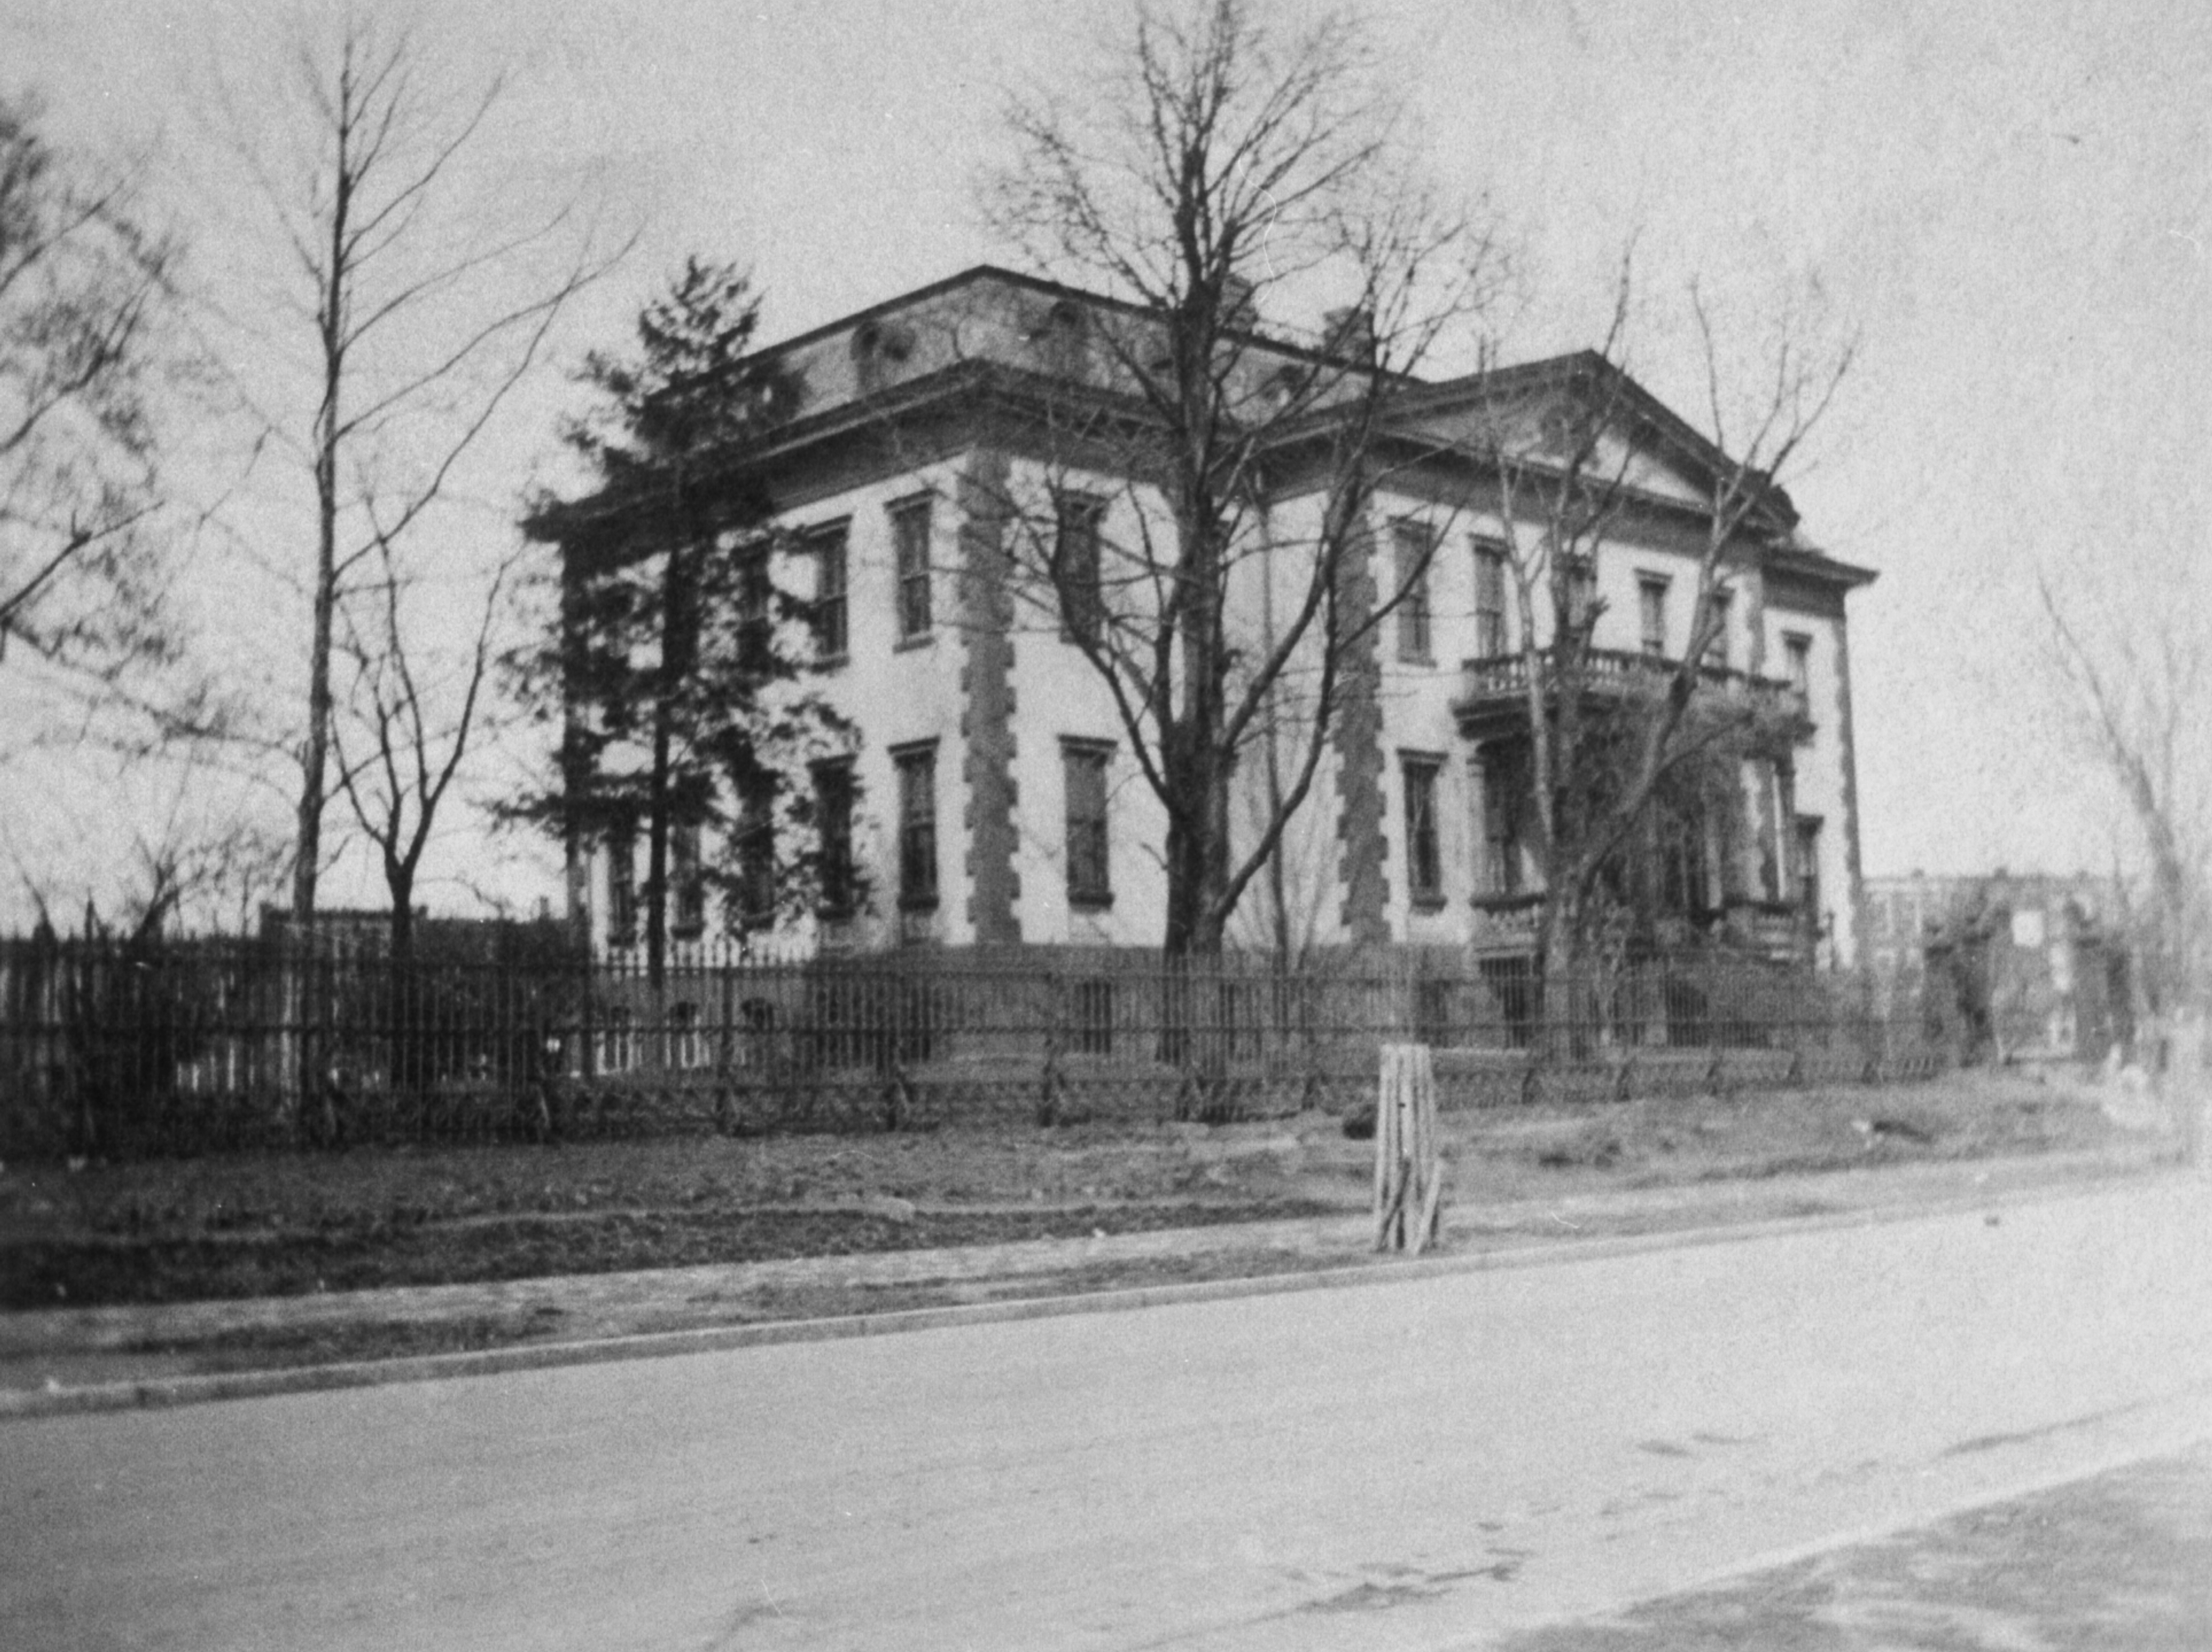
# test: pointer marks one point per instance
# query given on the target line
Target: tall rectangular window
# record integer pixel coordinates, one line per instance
(622, 889)
(910, 550)
(833, 829)
(1717, 647)
(1798, 649)
(755, 610)
(1413, 541)
(1489, 601)
(1424, 871)
(1651, 611)
(1808, 869)
(1079, 521)
(756, 853)
(1580, 574)
(917, 835)
(1684, 886)
(832, 638)
(688, 910)
(1501, 827)
(1083, 767)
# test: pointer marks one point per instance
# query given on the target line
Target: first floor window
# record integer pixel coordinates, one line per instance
(689, 915)
(1808, 868)
(832, 819)
(756, 853)
(1684, 888)
(1424, 874)
(1501, 829)
(622, 890)
(1084, 768)
(917, 836)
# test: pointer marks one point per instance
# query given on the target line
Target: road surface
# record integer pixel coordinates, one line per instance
(1438, 1461)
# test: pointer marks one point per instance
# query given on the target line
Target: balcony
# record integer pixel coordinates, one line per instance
(1772, 929)
(1493, 701)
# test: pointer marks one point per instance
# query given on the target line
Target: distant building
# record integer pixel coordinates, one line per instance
(2015, 965)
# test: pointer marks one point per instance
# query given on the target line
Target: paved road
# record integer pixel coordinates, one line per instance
(2121, 1562)
(1431, 1462)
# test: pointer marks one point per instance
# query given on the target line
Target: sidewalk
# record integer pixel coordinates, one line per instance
(77, 1360)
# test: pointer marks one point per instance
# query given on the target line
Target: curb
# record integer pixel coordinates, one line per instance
(161, 1392)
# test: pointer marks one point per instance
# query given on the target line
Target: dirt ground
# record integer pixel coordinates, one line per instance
(277, 1225)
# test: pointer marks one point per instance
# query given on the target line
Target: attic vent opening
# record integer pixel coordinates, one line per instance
(1060, 339)
(878, 351)
(1566, 428)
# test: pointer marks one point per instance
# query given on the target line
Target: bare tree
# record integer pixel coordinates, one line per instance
(407, 726)
(2134, 675)
(423, 307)
(1615, 743)
(208, 865)
(84, 290)
(1221, 168)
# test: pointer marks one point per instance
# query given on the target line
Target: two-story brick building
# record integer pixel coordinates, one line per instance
(996, 796)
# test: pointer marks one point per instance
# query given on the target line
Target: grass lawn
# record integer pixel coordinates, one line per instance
(280, 1225)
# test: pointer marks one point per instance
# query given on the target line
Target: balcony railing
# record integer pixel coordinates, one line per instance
(1506, 923)
(1499, 687)
(1775, 928)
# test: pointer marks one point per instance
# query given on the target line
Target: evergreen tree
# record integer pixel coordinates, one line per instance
(677, 667)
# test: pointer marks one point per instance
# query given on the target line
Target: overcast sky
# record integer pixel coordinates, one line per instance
(2013, 202)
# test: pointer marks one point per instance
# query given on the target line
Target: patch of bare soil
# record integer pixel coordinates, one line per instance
(275, 1226)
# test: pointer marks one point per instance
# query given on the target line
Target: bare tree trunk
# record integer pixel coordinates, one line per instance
(330, 324)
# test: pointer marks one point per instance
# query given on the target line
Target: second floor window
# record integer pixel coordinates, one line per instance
(756, 611)
(826, 547)
(1489, 601)
(1425, 873)
(1579, 577)
(910, 549)
(917, 835)
(1651, 610)
(1084, 766)
(1412, 542)
(1799, 649)
(1716, 642)
(1077, 528)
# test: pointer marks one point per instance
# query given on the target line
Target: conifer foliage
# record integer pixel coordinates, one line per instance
(678, 671)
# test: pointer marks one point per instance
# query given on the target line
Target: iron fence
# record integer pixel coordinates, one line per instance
(135, 1048)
